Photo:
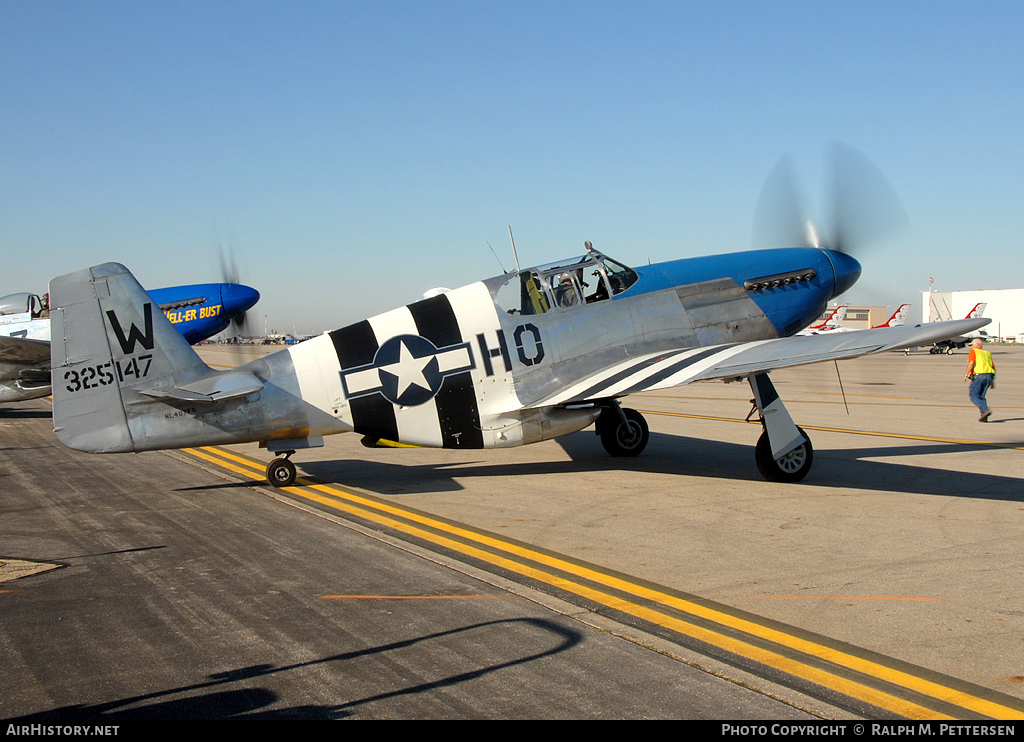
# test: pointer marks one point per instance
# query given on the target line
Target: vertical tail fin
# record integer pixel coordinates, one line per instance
(978, 311)
(109, 343)
(898, 318)
(836, 320)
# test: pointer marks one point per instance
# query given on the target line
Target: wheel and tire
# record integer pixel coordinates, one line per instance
(790, 468)
(281, 473)
(627, 438)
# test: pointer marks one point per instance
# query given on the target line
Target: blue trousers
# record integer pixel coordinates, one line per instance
(979, 388)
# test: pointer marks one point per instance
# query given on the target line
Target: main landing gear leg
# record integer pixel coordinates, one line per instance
(281, 471)
(623, 431)
(784, 452)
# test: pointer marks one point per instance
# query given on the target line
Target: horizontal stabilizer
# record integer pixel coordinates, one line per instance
(23, 351)
(217, 388)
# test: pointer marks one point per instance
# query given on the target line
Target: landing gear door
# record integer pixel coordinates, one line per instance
(783, 434)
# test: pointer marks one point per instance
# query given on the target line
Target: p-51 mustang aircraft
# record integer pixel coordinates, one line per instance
(198, 312)
(519, 358)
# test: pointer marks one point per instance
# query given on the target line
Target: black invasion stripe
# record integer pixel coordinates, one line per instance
(435, 320)
(594, 391)
(355, 344)
(374, 416)
(457, 412)
(371, 415)
(674, 368)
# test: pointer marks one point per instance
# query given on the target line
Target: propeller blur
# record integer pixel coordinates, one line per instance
(203, 310)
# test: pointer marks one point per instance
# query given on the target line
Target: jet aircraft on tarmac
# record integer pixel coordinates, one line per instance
(198, 311)
(832, 323)
(947, 346)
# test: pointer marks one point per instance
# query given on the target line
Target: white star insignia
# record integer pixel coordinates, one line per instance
(408, 370)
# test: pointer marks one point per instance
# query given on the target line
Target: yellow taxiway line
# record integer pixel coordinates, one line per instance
(788, 652)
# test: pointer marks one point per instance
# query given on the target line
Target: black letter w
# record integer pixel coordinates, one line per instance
(128, 344)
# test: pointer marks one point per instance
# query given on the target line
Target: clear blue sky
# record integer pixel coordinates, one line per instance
(355, 154)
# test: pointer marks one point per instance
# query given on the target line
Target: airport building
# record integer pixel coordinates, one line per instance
(860, 318)
(1005, 309)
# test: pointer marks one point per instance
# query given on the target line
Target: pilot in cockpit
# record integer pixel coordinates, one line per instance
(565, 292)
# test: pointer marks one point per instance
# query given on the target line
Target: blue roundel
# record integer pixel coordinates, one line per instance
(408, 369)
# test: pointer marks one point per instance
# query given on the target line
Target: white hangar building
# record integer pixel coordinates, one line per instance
(1005, 309)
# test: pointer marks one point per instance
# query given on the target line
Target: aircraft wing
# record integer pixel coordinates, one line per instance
(24, 352)
(738, 360)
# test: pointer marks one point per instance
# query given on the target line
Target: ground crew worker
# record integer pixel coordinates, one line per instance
(981, 370)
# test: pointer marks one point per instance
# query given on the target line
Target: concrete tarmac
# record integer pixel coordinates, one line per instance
(903, 541)
(143, 587)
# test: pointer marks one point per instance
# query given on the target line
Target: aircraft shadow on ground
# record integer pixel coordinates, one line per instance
(685, 457)
(208, 699)
(24, 413)
(215, 487)
(23, 448)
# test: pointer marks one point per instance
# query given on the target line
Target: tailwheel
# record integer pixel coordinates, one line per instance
(790, 468)
(281, 472)
(623, 431)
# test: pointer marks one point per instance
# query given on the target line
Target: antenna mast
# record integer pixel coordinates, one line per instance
(514, 253)
(497, 258)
